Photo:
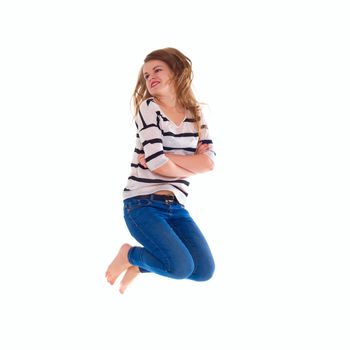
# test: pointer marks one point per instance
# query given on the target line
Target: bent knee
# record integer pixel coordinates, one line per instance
(204, 273)
(182, 270)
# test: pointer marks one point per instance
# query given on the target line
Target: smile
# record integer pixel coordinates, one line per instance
(154, 84)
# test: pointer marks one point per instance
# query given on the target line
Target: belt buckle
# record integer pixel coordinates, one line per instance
(170, 201)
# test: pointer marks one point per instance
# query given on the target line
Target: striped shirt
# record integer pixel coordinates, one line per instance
(156, 135)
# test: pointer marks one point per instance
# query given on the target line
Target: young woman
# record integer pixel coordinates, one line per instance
(172, 144)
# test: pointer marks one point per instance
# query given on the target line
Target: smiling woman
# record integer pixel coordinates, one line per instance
(172, 144)
(158, 78)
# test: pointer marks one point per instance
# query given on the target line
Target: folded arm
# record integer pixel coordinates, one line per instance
(168, 169)
(198, 163)
(184, 165)
(171, 169)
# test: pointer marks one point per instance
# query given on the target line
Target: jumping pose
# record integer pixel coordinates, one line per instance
(172, 144)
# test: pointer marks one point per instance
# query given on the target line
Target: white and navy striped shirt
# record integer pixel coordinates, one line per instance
(156, 135)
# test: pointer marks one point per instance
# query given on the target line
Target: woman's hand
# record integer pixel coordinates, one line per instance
(201, 148)
(142, 160)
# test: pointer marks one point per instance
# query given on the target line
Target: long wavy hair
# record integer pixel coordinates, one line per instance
(181, 66)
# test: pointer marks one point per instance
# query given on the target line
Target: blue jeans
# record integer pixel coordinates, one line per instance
(172, 244)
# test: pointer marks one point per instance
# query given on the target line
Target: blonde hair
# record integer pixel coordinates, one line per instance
(181, 66)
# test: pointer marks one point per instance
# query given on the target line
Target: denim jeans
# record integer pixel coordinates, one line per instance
(172, 244)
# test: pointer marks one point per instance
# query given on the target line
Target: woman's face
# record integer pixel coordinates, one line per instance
(158, 76)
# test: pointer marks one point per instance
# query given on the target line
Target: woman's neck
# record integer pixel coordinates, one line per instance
(166, 101)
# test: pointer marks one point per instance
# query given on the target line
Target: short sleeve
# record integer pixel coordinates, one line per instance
(205, 136)
(150, 133)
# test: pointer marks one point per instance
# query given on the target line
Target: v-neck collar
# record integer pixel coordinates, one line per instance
(169, 119)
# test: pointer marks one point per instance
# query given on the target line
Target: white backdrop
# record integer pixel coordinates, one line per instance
(275, 210)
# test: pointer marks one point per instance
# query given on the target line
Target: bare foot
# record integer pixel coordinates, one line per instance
(130, 274)
(119, 264)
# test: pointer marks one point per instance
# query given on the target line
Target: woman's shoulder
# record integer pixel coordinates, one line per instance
(205, 112)
(147, 103)
(147, 111)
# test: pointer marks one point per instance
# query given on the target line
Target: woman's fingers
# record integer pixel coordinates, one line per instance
(201, 148)
(142, 160)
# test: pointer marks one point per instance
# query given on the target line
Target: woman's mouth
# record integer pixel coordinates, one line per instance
(154, 83)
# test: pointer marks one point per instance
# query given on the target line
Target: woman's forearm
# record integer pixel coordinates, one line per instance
(197, 163)
(170, 169)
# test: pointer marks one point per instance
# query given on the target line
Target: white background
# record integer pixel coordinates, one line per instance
(275, 210)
